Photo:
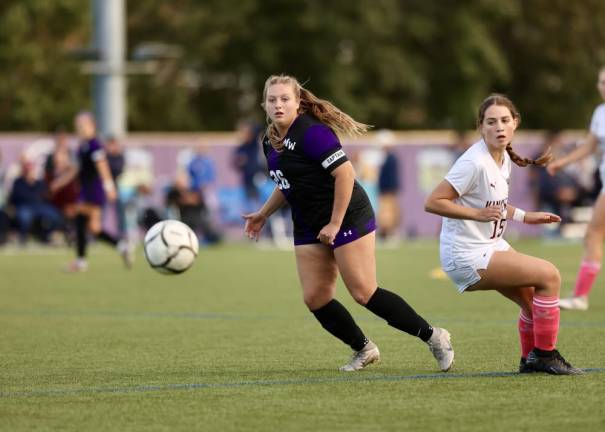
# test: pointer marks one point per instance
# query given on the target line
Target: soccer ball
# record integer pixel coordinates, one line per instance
(170, 247)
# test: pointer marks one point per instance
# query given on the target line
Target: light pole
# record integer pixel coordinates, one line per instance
(109, 75)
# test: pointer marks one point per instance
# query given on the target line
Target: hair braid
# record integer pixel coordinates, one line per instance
(542, 161)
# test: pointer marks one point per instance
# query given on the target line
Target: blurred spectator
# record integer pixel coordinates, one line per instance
(558, 193)
(59, 173)
(115, 159)
(246, 160)
(389, 215)
(597, 186)
(201, 170)
(202, 177)
(2, 175)
(136, 187)
(461, 144)
(28, 200)
(4, 222)
(188, 204)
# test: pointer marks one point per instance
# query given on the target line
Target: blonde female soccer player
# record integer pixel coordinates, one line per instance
(334, 225)
(473, 200)
(595, 233)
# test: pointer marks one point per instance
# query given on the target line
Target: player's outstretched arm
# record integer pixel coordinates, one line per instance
(532, 218)
(536, 218)
(588, 147)
(255, 221)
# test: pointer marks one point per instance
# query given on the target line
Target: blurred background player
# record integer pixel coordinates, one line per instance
(334, 224)
(64, 196)
(595, 232)
(115, 159)
(473, 200)
(96, 187)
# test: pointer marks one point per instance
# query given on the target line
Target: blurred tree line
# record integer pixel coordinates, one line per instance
(393, 63)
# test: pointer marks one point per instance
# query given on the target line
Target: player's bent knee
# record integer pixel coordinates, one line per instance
(552, 279)
(316, 299)
(361, 296)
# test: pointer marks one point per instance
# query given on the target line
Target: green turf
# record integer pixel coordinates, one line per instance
(229, 346)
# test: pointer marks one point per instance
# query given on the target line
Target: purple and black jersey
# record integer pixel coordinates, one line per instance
(91, 186)
(302, 171)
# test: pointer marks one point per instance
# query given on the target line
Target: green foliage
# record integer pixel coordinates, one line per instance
(396, 64)
(40, 86)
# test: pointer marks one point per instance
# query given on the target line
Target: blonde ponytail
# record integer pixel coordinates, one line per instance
(341, 123)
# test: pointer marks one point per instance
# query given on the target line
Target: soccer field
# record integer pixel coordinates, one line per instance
(229, 346)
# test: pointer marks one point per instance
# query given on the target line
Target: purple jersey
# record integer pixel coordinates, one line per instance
(302, 171)
(91, 186)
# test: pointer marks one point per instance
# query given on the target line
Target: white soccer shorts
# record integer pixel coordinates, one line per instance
(462, 267)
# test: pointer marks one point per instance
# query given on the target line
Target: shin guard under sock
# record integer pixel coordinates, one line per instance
(337, 320)
(392, 308)
(526, 333)
(546, 314)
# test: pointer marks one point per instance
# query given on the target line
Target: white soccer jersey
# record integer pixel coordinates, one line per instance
(597, 127)
(480, 183)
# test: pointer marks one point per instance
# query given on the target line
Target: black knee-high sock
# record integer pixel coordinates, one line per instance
(399, 314)
(337, 320)
(107, 238)
(81, 221)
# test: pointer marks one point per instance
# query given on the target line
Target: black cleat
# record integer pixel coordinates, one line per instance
(553, 363)
(524, 367)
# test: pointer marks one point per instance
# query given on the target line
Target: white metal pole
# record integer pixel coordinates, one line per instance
(109, 86)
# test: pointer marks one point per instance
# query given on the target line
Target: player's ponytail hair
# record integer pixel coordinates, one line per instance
(502, 100)
(341, 123)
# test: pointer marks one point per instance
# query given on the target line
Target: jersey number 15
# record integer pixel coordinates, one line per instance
(498, 228)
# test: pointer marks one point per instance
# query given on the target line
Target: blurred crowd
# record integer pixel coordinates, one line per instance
(37, 203)
(575, 186)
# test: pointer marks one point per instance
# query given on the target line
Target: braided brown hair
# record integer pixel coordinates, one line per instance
(502, 100)
(323, 110)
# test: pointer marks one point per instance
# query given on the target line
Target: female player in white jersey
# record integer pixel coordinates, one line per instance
(595, 233)
(473, 200)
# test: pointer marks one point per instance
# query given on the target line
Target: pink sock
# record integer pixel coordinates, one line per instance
(586, 276)
(526, 333)
(545, 312)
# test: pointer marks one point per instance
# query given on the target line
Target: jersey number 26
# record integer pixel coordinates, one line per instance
(278, 177)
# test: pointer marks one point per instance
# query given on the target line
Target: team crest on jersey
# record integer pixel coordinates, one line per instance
(289, 144)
